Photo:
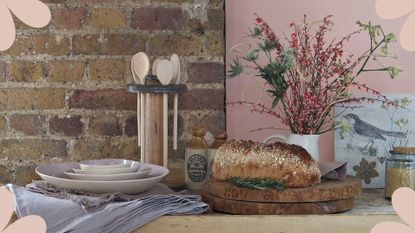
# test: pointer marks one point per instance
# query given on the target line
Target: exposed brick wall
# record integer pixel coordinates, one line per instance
(62, 92)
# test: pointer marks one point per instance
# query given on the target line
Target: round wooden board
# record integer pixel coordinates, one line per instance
(261, 208)
(325, 191)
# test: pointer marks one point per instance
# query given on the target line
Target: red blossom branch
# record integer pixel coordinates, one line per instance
(319, 75)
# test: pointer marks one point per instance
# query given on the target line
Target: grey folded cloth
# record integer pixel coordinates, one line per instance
(91, 201)
(333, 170)
(71, 215)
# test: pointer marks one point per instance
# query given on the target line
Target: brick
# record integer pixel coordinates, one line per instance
(56, 45)
(159, 18)
(31, 98)
(16, 149)
(3, 125)
(26, 71)
(124, 44)
(90, 2)
(213, 122)
(94, 148)
(20, 25)
(197, 99)
(26, 174)
(87, 44)
(78, 38)
(103, 99)
(216, 19)
(185, 45)
(208, 72)
(106, 70)
(51, 44)
(108, 44)
(107, 2)
(129, 76)
(215, 44)
(108, 18)
(70, 125)
(179, 124)
(3, 71)
(216, 3)
(65, 71)
(54, 1)
(173, 1)
(27, 124)
(5, 175)
(196, 26)
(130, 127)
(105, 125)
(67, 19)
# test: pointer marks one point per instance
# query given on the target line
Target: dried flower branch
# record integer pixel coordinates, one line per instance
(307, 77)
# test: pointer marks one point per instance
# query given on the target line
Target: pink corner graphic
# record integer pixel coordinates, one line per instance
(393, 9)
(31, 12)
(31, 223)
(404, 205)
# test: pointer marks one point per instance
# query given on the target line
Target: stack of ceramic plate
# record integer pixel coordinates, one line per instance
(104, 176)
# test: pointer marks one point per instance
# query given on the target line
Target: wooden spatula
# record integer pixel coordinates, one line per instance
(174, 59)
(165, 73)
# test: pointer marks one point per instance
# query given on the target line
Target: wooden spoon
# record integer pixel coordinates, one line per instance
(137, 80)
(141, 67)
(174, 59)
(155, 63)
(165, 72)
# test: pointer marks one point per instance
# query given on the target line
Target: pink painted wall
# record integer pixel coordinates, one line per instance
(279, 13)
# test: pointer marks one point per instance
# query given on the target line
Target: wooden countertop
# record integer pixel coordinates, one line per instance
(369, 209)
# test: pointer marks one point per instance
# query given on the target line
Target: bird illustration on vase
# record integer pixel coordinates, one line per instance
(370, 132)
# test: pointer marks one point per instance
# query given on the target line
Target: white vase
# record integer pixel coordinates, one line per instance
(307, 141)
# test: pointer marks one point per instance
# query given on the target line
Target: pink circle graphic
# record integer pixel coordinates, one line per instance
(31, 223)
(403, 203)
(34, 13)
(388, 9)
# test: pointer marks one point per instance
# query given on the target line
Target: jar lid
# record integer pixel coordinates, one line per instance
(221, 136)
(198, 132)
(401, 160)
(403, 150)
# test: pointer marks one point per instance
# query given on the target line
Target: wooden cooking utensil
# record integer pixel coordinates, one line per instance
(137, 80)
(174, 59)
(141, 67)
(141, 64)
(155, 63)
(165, 73)
(135, 77)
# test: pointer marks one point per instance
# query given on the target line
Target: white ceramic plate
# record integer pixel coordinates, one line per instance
(104, 164)
(117, 170)
(141, 173)
(54, 174)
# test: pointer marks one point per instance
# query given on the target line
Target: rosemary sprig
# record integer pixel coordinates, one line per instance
(256, 183)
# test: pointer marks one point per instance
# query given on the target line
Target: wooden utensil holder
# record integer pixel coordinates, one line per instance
(153, 117)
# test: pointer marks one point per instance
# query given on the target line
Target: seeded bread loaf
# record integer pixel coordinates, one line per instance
(289, 164)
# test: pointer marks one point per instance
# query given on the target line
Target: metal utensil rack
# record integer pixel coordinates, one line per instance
(153, 116)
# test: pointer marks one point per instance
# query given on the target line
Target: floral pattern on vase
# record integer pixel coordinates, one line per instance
(366, 171)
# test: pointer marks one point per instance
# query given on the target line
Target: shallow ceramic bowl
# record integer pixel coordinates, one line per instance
(104, 164)
(141, 173)
(55, 175)
(116, 170)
